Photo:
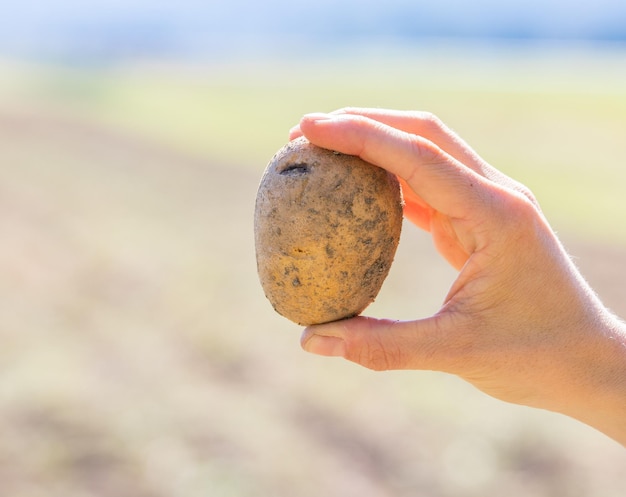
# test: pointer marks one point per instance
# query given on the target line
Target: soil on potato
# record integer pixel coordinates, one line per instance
(327, 227)
(140, 357)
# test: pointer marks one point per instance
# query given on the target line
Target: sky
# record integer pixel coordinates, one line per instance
(101, 29)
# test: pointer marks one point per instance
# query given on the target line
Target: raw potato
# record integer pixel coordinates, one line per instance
(327, 227)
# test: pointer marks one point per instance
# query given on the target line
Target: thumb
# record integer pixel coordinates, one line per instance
(378, 344)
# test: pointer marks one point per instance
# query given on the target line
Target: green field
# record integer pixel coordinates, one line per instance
(556, 125)
(139, 355)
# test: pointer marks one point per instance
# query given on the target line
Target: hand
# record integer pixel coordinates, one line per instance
(519, 322)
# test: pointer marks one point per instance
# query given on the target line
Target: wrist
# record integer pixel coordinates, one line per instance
(598, 393)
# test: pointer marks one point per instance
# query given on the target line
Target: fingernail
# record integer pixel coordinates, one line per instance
(326, 346)
(318, 116)
(295, 132)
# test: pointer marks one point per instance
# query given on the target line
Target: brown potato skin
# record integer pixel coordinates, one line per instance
(327, 226)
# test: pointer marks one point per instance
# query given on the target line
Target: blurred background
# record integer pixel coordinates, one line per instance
(138, 354)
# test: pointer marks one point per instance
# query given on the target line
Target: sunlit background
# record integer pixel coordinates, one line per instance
(138, 354)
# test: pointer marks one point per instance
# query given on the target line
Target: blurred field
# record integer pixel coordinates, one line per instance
(139, 356)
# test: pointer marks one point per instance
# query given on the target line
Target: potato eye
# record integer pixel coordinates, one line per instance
(295, 169)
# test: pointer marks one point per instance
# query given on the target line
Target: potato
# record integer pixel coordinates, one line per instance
(327, 226)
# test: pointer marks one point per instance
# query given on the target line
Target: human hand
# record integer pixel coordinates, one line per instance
(519, 322)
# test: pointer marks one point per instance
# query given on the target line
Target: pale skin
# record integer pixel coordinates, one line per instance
(520, 323)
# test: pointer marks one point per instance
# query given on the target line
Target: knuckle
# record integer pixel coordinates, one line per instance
(521, 190)
(526, 192)
(519, 213)
(348, 110)
(426, 150)
(523, 205)
(432, 125)
(432, 121)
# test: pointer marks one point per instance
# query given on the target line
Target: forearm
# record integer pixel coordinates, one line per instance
(598, 384)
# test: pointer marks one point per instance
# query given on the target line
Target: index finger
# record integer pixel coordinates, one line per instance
(439, 179)
(424, 124)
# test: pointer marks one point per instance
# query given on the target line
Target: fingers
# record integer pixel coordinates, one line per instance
(426, 125)
(431, 128)
(419, 123)
(415, 209)
(437, 178)
(376, 344)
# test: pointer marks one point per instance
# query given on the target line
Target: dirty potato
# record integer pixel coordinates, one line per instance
(327, 226)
